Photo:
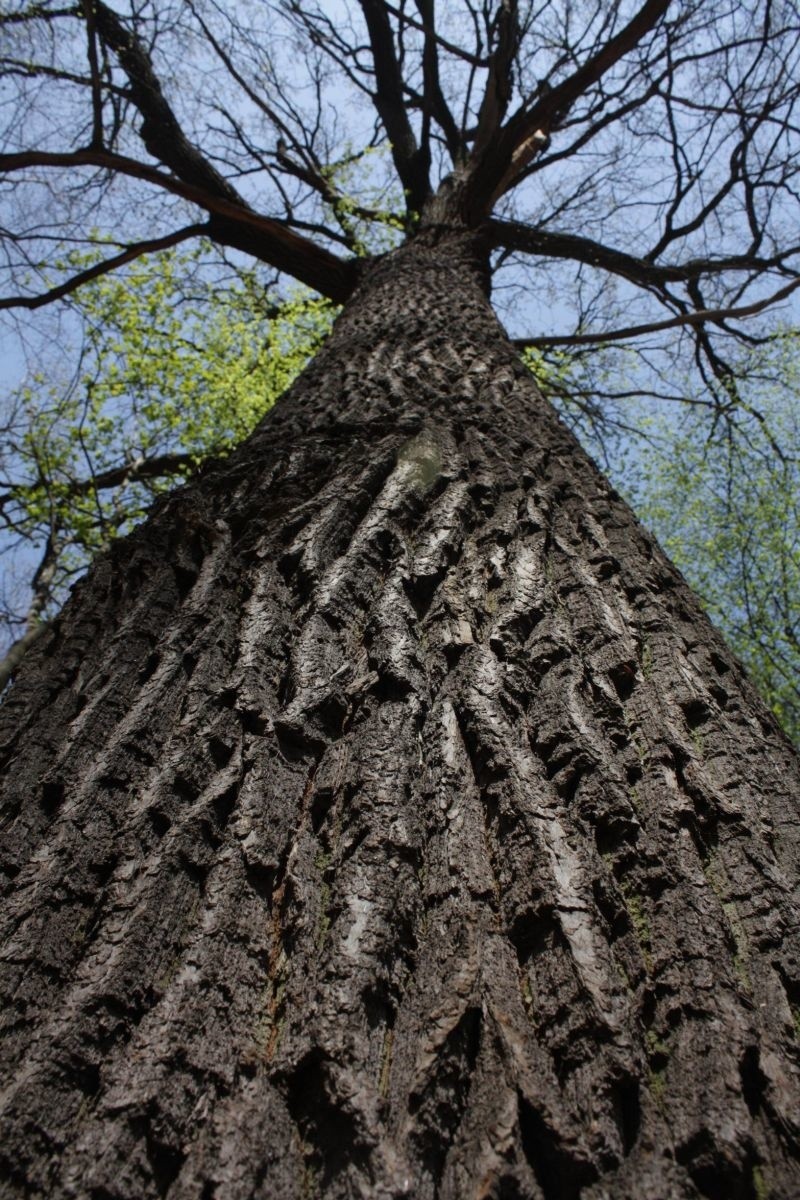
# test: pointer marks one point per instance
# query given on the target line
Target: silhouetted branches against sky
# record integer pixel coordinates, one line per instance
(639, 160)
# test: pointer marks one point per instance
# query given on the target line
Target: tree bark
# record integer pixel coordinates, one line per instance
(384, 818)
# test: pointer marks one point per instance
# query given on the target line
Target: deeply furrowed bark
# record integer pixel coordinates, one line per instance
(405, 827)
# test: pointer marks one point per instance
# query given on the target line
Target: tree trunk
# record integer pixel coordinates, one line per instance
(405, 828)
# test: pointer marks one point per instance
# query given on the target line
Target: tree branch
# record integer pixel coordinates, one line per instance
(426, 26)
(159, 467)
(233, 223)
(412, 162)
(499, 83)
(505, 158)
(94, 72)
(434, 101)
(133, 251)
(160, 131)
(716, 315)
(164, 138)
(514, 235)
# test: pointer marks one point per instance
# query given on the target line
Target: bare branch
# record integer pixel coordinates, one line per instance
(426, 26)
(514, 235)
(160, 131)
(714, 315)
(497, 94)
(434, 102)
(162, 466)
(134, 251)
(94, 72)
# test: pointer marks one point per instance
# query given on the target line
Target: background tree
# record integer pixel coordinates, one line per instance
(383, 816)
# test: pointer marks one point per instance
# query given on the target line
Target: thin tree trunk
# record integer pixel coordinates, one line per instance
(404, 828)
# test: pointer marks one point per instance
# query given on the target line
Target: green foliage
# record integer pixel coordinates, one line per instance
(554, 373)
(372, 223)
(173, 368)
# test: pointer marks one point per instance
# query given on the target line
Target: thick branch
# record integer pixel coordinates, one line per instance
(159, 467)
(232, 224)
(497, 94)
(435, 103)
(514, 235)
(94, 71)
(160, 130)
(527, 131)
(411, 162)
(35, 13)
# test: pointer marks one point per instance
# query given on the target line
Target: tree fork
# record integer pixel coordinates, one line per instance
(385, 818)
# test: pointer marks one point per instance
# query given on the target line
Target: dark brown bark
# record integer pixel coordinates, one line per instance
(384, 818)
